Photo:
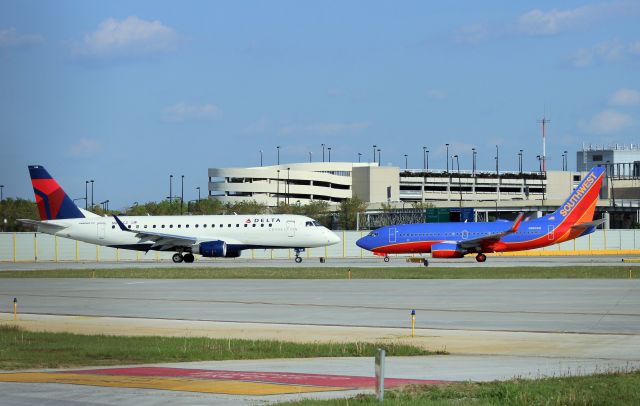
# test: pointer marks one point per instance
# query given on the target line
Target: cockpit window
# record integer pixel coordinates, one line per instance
(372, 234)
(317, 224)
(308, 224)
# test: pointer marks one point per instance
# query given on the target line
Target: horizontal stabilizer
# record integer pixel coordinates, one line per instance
(43, 225)
(584, 226)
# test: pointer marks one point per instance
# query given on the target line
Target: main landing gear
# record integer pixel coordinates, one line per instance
(298, 257)
(425, 262)
(187, 258)
(481, 257)
(386, 258)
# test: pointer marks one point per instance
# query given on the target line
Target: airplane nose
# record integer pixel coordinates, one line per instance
(361, 243)
(333, 238)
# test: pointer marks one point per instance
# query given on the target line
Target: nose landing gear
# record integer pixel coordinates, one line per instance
(298, 257)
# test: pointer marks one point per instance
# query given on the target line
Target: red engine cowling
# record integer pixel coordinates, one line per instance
(447, 250)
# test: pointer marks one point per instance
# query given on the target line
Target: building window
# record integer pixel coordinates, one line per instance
(597, 158)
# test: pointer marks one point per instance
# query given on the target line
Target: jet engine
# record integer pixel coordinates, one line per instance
(447, 250)
(211, 249)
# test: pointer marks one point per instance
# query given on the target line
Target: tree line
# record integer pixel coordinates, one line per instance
(344, 218)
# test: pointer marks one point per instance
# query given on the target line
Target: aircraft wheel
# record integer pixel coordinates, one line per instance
(425, 262)
(177, 258)
(298, 259)
(188, 258)
(481, 257)
(386, 259)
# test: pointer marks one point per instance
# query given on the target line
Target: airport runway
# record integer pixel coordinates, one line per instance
(495, 329)
(366, 262)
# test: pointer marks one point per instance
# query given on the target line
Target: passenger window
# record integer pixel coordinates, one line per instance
(137, 226)
(254, 224)
(163, 226)
(186, 226)
(262, 225)
(179, 226)
(129, 226)
(237, 225)
(245, 225)
(196, 225)
(229, 225)
(113, 226)
(154, 226)
(145, 226)
(270, 225)
(170, 225)
(204, 225)
(213, 226)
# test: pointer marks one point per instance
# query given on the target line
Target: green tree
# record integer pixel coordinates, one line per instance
(13, 209)
(348, 212)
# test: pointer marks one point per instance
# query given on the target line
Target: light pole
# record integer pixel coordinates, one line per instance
(374, 153)
(520, 161)
(406, 161)
(91, 192)
(278, 190)
(424, 159)
(447, 145)
(359, 155)
(288, 184)
(473, 161)
(310, 153)
(329, 149)
(278, 148)
(427, 164)
(539, 163)
(566, 161)
(86, 194)
(459, 181)
(379, 161)
(322, 152)
(198, 193)
(497, 161)
(260, 157)
(170, 189)
(181, 193)
(1, 193)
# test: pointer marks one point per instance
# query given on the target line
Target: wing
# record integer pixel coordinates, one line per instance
(480, 242)
(167, 242)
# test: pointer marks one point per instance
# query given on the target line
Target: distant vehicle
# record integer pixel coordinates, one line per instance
(209, 236)
(573, 219)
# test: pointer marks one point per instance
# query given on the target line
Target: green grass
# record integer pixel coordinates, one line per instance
(616, 388)
(21, 349)
(417, 272)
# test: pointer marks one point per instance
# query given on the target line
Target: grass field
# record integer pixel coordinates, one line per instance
(21, 349)
(604, 389)
(419, 272)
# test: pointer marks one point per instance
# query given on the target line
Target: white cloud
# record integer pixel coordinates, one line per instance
(607, 122)
(436, 94)
(130, 37)
(537, 22)
(84, 147)
(328, 129)
(609, 52)
(472, 34)
(185, 112)
(625, 97)
(9, 38)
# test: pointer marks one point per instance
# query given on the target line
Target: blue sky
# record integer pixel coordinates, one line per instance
(127, 93)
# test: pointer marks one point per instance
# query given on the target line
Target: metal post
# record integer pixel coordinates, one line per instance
(310, 156)
(329, 149)
(91, 192)
(278, 190)
(497, 161)
(260, 157)
(359, 155)
(86, 194)
(278, 148)
(1, 193)
(447, 145)
(181, 193)
(374, 153)
(198, 193)
(473, 164)
(459, 181)
(322, 152)
(427, 159)
(379, 368)
(170, 188)
(406, 161)
(379, 161)
(520, 161)
(424, 158)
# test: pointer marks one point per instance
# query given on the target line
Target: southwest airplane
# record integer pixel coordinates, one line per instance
(209, 236)
(573, 219)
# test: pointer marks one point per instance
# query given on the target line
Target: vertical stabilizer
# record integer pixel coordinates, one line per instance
(581, 204)
(53, 202)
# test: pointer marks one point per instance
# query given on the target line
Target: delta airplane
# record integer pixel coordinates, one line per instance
(455, 240)
(209, 236)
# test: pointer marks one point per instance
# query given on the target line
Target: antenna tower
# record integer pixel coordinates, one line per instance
(544, 123)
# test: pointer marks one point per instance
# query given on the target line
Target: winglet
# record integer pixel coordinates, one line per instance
(120, 224)
(516, 223)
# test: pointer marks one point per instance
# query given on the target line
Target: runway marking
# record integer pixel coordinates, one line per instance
(208, 381)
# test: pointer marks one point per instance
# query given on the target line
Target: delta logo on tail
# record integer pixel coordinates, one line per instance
(53, 203)
(573, 219)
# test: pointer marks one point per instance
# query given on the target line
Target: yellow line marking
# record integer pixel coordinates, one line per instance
(226, 387)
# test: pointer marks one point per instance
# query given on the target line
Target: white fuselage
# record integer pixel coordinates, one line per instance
(277, 231)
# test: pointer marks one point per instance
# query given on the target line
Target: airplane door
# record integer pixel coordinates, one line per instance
(101, 227)
(550, 232)
(291, 230)
(392, 234)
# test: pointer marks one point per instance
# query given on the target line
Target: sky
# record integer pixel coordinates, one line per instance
(129, 92)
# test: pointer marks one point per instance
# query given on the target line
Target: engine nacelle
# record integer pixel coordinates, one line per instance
(211, 249)
(447, 250)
